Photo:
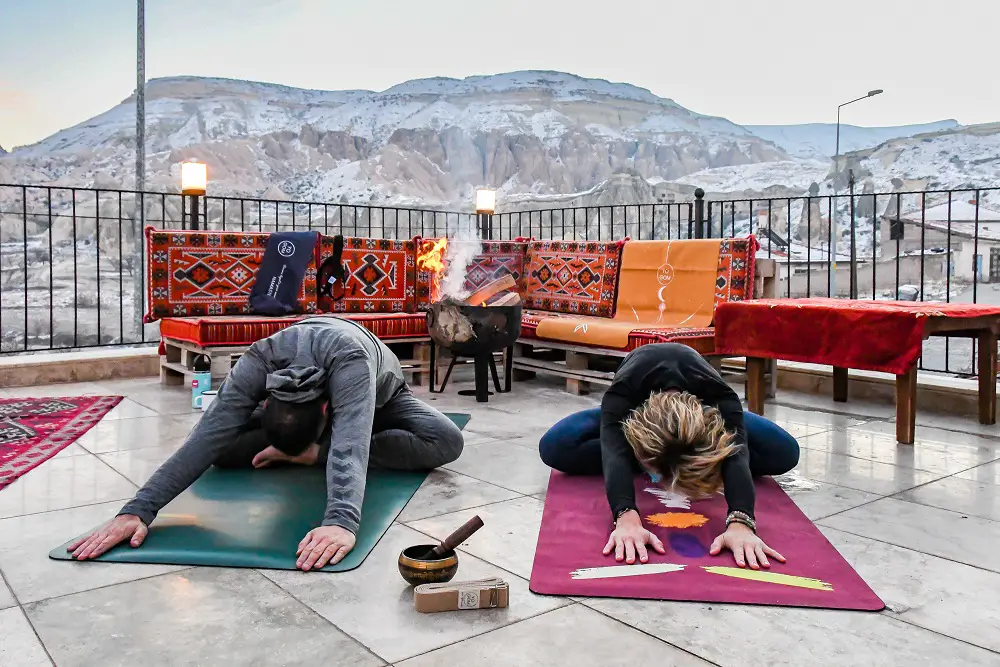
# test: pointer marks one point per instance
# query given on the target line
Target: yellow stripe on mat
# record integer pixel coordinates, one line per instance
(771, 577)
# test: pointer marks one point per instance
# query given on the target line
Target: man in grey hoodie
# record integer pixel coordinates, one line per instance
(325, 387)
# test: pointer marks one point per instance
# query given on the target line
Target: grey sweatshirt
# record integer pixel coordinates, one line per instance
(362, 374)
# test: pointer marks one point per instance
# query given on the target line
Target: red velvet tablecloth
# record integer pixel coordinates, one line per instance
(869, 335)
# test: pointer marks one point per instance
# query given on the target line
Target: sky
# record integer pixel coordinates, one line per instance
(751, 61)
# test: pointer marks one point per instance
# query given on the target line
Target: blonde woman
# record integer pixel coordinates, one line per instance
(670, 413)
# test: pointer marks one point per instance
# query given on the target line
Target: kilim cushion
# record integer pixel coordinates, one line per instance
(208, 273)
(380, 275)
(579, 277)
(701, 340)
(248, 329)
(495, 260)
(736, 264)
(498, 259)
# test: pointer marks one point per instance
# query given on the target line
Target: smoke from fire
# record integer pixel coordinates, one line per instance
(463, 246)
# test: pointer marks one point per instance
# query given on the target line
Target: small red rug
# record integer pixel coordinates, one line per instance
(33, 430)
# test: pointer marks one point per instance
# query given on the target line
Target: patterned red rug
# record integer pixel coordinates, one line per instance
(33, 430)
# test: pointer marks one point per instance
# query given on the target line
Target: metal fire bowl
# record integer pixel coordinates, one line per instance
(470, 331)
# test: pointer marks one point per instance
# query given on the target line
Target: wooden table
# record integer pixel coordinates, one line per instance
(868, 335)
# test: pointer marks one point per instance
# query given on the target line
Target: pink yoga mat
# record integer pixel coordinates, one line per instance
(577, 522)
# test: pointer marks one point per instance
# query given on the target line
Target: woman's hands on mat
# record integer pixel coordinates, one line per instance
(629, 539)
(326, 544)
(119, 529)
(747, 548)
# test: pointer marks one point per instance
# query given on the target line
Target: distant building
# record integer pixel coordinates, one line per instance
(975, 247)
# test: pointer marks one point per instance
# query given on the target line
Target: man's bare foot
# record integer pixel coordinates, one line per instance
(272, 454)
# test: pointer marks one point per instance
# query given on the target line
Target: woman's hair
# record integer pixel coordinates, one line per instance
(674, 435)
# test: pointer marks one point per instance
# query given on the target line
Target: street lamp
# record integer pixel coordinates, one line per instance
(194, 183)
(832, 247)
(486, 203)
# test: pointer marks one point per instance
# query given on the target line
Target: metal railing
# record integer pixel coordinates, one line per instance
(72, 265)
(933, 245)
(72, 261)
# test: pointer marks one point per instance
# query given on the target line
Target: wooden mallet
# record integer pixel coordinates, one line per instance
(463, 533)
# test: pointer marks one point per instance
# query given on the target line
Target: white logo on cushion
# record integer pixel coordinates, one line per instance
(286, 248)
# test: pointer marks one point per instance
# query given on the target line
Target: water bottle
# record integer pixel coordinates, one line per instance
(201, 380)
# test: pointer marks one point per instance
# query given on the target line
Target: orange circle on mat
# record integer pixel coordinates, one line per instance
(677, 520)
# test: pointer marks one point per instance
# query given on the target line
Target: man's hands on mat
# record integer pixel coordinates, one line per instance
(326, 544)
(119, 529)
(747, 548)
(272, 454)
(629, 539)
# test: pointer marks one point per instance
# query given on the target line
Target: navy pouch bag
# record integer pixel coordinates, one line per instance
(279, 278)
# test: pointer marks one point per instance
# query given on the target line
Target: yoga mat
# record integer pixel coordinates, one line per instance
(577, 522)
(256, 518)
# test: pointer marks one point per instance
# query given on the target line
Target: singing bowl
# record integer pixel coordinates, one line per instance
(417, 570)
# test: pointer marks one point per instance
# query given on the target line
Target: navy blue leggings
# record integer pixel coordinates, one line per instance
(573, 445)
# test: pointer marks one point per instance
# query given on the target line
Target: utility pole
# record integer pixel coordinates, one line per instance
(139, 209)
(834, 228)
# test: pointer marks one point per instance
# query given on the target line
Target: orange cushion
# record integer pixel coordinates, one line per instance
(702, 340)
(663, 284)
(246, 330)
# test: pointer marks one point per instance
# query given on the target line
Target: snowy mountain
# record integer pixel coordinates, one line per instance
(819, 140)
(431, 140)
(532, 134)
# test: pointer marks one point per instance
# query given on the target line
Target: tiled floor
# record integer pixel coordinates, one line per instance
(921, 524)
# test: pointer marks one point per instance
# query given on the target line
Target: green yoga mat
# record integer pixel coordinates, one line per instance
(256, 518)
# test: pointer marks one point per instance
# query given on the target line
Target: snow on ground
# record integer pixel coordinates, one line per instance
(795, 174)
(819, 140)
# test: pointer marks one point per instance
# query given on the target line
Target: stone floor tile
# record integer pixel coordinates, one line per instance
(18, 644)
(128, 409)
(375, 606)
(138, 465)
(928, 434)
(853, 408)
(501, 424)
(445, 491)
(73, 450)
(959, 495)
(860, 474)
(201, 616)
(61, 389)
(816, 420)
(164, 401)
(6, 597)
(572, 635)
(930, 456)
(62, 482)
(954, 599)
(139, 433)
(507, 539)
(958, 537)
(516, 468)
(988, 473)
(25, 542)
(819, 499)
(741, 635)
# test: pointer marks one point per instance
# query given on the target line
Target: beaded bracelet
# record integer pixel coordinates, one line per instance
(742, 518)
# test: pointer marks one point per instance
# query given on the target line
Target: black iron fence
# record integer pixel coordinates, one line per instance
(72, 266)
